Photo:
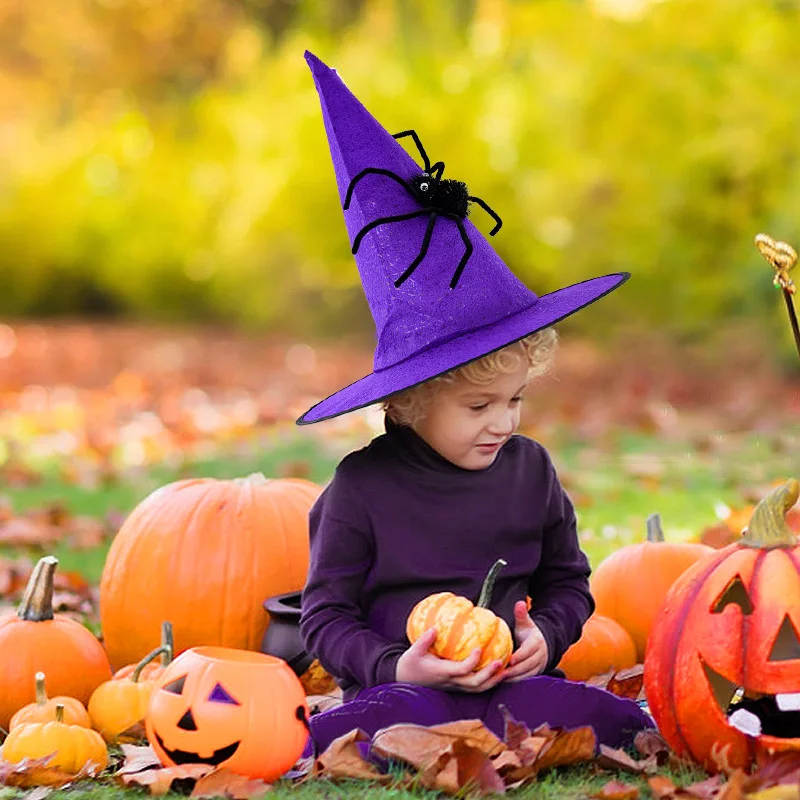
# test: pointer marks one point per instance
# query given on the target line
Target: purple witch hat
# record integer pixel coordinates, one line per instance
(439, 294)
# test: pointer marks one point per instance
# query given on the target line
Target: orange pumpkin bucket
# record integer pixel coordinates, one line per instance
(237, 709)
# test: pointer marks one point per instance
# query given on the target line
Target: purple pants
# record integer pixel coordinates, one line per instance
(534, 701)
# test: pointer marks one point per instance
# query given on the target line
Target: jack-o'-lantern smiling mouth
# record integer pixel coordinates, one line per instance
(756, 713)
(187, 757)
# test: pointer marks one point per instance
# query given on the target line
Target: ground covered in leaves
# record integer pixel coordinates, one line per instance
(95, 417)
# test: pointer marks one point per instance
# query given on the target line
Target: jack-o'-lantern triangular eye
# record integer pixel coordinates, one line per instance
(736, 593)
(787, 643)
(176, 686)
(220, 695)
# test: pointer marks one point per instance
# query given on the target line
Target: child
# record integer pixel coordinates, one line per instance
(449, 488)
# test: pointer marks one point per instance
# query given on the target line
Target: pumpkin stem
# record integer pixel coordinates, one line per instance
(257, 478)
(767, 527)
(488, 583)
(167, 643)
(60, 713)
(151, 656)
(37, 602)
(655, 533)
(41, 694)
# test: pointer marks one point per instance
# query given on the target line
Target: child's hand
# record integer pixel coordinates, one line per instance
(530, 658)
(418, 665)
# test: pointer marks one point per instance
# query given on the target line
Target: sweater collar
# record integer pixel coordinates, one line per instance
(415, 451)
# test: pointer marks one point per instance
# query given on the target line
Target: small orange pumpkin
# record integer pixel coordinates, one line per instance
(152, 669)
(72, 747)
(67, 652)
(604, 645)
(237, 709)
(44, 709)
(462, 626)
(118, 707)
(630, 585)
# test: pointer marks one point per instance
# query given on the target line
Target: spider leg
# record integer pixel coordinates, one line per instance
(423, 250)
(418, 143)
(489, 211)
(467, 254)
(374, 171)
(381, 220)
(437, 169)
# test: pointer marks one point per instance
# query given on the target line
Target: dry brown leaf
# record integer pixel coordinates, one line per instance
(614, 790)
(774, 769)
(322, 702)
(159, 781)
(22, 532)
(705, 790)
(627, 682)
(224, 783)
(651, 743)
(420, 746)
(316, 681)
(31, 772)
(515, 732)
(568, 747)
(342, 759)
(39, 793)
(734, 787)
(610, 758)
(662, 787)
(137, 758)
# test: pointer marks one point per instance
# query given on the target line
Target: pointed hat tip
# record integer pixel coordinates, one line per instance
(315, 63)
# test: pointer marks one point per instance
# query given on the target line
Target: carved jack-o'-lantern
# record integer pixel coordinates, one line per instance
(722, 668)
(238, 709)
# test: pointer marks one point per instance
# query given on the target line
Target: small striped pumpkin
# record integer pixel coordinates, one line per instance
(461, 626)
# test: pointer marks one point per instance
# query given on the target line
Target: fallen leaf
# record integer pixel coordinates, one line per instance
(31, 772)
(159, 781)
(627, 682)
(568, 747)
(781, 792)
(733, 788)
(707, 789)
(610, 758)
(343, 759)
(138, 758)
(651, 743)
(614, 790)
(316, 681)
(662, 787)
(224, 783)
(462, 768)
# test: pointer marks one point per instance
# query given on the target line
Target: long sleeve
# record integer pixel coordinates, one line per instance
(332, 620)
(559, 588)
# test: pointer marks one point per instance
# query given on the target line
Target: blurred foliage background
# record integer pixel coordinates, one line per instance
(167, 160)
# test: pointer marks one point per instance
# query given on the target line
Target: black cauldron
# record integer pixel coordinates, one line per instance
(282, 637)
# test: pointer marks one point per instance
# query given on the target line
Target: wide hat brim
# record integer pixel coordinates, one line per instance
(467, 346)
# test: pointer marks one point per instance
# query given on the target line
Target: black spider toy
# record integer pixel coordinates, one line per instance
(439, 198)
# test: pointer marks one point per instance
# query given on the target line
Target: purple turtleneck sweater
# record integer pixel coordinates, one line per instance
(398, 522)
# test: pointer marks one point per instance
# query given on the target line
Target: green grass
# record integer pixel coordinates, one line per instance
(614, 487)
(565, 783)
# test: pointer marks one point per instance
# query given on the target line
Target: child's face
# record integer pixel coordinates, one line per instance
(463, 416)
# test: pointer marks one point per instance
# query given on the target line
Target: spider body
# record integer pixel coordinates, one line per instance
(437, 197)
(446, 195)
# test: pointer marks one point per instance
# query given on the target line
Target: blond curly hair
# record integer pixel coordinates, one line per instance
(410, 406)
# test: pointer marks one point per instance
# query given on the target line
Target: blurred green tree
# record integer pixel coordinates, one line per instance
(168, 160)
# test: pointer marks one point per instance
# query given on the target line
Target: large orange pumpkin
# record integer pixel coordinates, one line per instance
(722, 670)
(243, 711)
(630, 585)
(204, 553)
(37, 640)
(461, 626)
(604, 645)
